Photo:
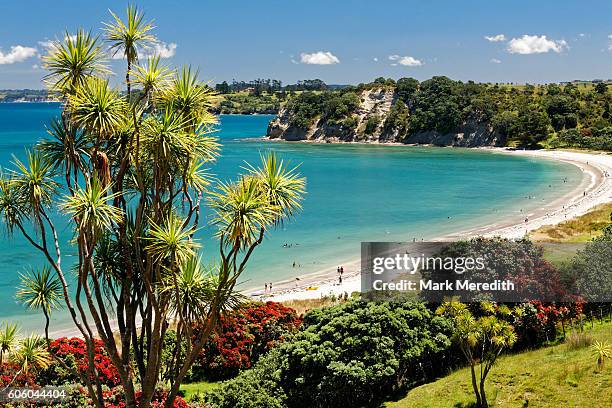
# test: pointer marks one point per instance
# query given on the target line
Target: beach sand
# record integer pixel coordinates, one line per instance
(594, 189)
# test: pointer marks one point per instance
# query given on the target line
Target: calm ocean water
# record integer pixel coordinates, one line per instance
(355, 193)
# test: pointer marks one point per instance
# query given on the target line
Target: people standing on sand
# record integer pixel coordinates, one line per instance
(270, 286)
(294, 264)
(340, 279)
(341, 270)
(266, 289)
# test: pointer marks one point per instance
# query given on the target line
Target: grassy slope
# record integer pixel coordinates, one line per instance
(198, 387)
(579, 229)
(548, 377)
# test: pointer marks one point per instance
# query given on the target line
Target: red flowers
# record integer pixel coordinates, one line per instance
(243, 336)
(76, 350)
(114, 399)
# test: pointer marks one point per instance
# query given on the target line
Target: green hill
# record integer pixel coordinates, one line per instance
(550, 377)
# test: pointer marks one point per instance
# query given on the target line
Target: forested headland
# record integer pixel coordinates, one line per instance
(443, 111)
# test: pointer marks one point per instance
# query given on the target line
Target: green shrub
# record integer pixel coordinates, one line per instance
(359, 352)
(254, 388)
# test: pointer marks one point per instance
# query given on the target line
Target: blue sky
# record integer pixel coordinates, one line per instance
(338, 41)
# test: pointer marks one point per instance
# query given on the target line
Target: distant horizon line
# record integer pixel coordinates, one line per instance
(594, 80)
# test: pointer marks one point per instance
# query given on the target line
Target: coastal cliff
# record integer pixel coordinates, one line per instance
(379, 116)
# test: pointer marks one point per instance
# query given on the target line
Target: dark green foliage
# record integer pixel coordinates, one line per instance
(254, 388)
(524, 115)
(397, 119)
(354, 354)
(437, 106)
(372, 124)
(338, 106)
(406, 90)
(591, 269)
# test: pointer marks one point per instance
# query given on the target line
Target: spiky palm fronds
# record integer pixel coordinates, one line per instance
(40, 289)
(66, 147)
(31, 355)
(171, 241)
(90, 207)
(197, 177)
(191, 99)
(8, 339)
(241, 211)
(602, 351)
(97, 108)
(127, 37)
(34, 180)
(152, 77)
(12, 204)
(71, 61)
(281, 185)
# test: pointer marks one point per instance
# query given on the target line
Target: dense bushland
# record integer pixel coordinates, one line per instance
(568, 115)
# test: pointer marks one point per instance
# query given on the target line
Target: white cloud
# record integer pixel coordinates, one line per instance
(375, 59)
(319, 58)
(534, 44)
(494, 61)
(48, 44)
(610, 45)
(18, 53)
(406, 61)
(159, 49)
(495, 38)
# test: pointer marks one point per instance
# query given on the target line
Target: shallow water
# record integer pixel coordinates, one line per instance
(355, 193)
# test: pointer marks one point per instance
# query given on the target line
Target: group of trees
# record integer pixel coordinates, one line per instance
(128, 169)
(260, 86)
(524, 115)
(257, 86)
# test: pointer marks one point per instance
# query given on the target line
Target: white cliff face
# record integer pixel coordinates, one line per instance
(378, 102)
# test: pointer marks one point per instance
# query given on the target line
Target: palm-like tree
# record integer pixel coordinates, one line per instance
(171, 241)
(97, 108)
(90, 208)
(41, 290)
(191, 99)
(31, 355)
(151, 77)
(127, 37)
(34, 181)
(73, 60)
(65, 148)
(12, 205)
(8, 339)
(282, 186)
(242, 211)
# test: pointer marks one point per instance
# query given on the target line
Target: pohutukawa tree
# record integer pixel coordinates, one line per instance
(129, 171)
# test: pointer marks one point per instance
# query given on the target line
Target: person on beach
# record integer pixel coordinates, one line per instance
(341, 270)
(266, 289)
(270, 286)
(340, 280)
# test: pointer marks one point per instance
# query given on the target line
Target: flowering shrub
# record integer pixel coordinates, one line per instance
(73, 351)
(11, 374)
(115, 399)
(242, 337)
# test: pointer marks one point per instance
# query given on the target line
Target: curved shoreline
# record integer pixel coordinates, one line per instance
(594, 189)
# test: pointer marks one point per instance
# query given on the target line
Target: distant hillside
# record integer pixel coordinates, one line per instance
(25, 95)
(444, 112)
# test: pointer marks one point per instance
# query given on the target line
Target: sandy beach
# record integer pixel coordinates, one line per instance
(594, 189)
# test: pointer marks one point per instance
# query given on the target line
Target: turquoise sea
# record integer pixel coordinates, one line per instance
(355, 193)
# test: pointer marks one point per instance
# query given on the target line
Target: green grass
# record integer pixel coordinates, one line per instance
(198, 388)
(579, 229)
(550, 377)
